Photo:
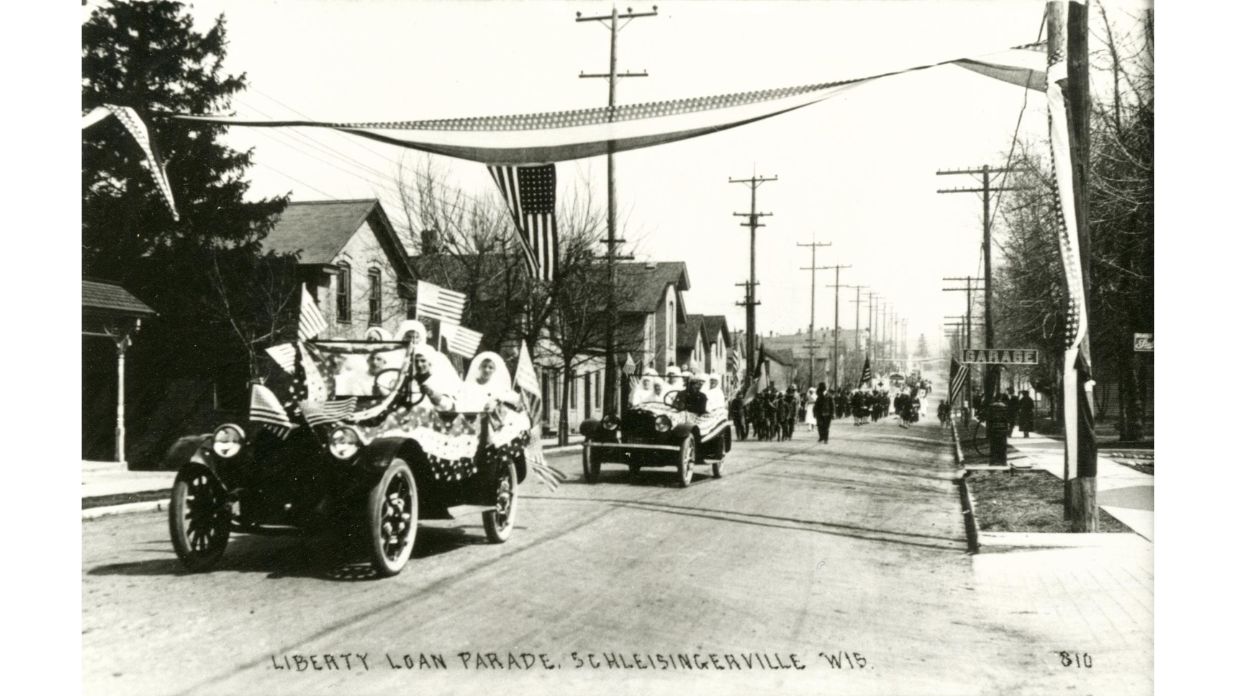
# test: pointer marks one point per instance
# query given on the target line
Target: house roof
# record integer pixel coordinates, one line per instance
(318, 230)
(642, 285)
(715, 324)
(690, 330)
(781, 357)
(110, 297)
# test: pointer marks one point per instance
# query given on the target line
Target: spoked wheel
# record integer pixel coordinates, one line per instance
(686, 461)
(392, 516)
(199, 518)
(979, 439)
(722, 447)
(592, 467)
(500, 521)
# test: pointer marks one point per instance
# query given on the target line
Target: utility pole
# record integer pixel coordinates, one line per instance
(836, 316)
(610, 20)
(987, 188)
(753, 222)
(811, 336)
(1067, 32)
(858, 338)
(972, 284)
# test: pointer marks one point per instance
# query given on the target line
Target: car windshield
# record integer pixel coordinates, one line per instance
(368, 370)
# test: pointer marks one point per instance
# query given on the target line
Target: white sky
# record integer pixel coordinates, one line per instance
(857, 170)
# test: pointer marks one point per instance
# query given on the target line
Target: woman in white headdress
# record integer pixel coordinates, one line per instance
(413, 331)
(716, 396)
(809, 419)
(642, 393)
(488, 385)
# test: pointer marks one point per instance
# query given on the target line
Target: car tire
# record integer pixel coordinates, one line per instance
(500, 521)
(592, 467)
(686, 461)
(199, 518)
(391, 517)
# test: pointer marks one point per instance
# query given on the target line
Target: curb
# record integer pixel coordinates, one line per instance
(963, 489)
(124, 509)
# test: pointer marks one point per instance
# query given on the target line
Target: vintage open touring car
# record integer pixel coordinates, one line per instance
(373, 465)
(658, 434)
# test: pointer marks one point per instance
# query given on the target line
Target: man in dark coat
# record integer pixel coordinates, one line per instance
(738, 417)
(1025, 413)
(824, 408)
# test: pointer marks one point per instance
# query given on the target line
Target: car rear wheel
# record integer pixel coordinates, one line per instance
(500, 521)
(199, 518)
(592, 467)
(686, 461)
(391, 516)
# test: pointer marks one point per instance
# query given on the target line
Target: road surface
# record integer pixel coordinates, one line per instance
(807, 568)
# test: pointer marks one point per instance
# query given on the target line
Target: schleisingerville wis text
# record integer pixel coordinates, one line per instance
(524, 661)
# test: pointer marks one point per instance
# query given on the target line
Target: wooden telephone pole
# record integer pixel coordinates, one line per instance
(753, 222)
(610, 20)
(836, 286)
(811, 336)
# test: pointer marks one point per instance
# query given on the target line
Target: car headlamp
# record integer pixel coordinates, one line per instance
(662, 424)
(344, 442)
(227, 440)
(609, 423)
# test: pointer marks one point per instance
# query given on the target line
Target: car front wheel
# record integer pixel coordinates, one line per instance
(391, 517)
(199, 518)
(500, 521)
(686, 461)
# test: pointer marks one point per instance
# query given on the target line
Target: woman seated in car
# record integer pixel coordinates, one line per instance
(488, 386)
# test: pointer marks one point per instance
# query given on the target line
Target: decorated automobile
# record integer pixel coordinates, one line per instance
(658, 434)
(365, 439)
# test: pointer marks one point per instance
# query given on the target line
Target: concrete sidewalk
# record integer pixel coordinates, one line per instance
(110, 488)
(1124, 492)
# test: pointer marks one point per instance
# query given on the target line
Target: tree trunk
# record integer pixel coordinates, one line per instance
(564, 423)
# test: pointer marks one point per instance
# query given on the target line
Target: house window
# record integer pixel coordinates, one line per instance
(375, 297)
(343, 294)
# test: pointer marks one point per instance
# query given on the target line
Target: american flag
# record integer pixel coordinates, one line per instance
(264, 408)
(957, 374)
(311, 320)
(284, 356)
(866, 376)
(461, 341)
(325, 412)
(525, 376)
(435, 302)
(529, 193)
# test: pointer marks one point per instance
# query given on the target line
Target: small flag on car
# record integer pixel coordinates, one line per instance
(326, 412)
(461, 341)
(435, 302)
(264, 408)
(311, 320)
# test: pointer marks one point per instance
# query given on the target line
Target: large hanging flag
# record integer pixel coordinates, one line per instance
(539, 138)
(460, 341)
(435, 302)
(958, 373)
(529, 193)
(312, 322)
(137, 128)
(866, 376)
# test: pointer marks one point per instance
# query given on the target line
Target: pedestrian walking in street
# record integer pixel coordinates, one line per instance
(809, 406)
(823, 410)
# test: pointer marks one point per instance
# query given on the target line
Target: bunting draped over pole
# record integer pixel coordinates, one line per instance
(137, 128)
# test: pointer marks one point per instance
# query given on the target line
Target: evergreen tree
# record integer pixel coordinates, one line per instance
(149, 56)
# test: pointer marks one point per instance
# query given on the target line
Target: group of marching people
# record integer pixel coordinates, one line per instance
(771, 415)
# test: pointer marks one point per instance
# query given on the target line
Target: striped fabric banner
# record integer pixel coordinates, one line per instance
(284, 356)
(137, 128)
(311, 320)
(435, 302)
